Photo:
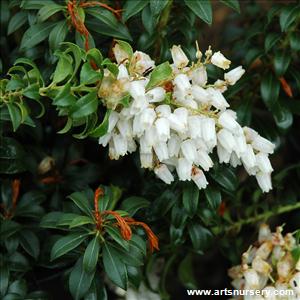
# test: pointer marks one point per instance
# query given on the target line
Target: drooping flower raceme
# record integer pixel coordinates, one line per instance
(271, 265)
(176, 119)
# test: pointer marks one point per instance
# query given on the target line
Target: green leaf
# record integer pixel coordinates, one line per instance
(190, 198)
(112, 67)
(282, 60)
(8, 228)
(34, 4)
(114, 267)
(295, 41)
(32, 92)
(225, 177)
(66, 244)
(157, 6)
(88, 75)
(47, 11)
(35, 34)
(186, 274)
(103, 15)
(4, 275)
(17, 21)
(64, 97)
(200, 236)
(271, 40)
(81, 220)
(125, 47)
(234, 4)
(15, 115)
(67, 127)
(132, 7)
(50, 220)
(80, 199)
(116, 236)
(101, 129)
(213, 197)
(18, 287)
(63, 69)
(30, 243)
(85, 106)
(201, 9)
(296, 254)
(133, 204)
(159, 75)
(66, 219)
(11, 156)
(79, 280)
(58, 34)
(288, 15)
(91, 254)
(269, 89)
(95, 55)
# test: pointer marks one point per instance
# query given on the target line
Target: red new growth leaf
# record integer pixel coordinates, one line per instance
(124, 227)
(98, 193)
(153, 240)
(15, 192)
(286, 87)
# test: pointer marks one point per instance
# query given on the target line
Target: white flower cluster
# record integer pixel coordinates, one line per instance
(269, 266)
(180, 121)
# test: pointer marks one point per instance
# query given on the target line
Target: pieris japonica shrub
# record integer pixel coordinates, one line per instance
(136, 145)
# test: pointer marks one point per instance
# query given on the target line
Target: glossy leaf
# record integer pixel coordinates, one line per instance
(30, 243)
(58, 34)
(202, 9)
(234, 4)
(114, 267)
(66, 244)
(269, 89)
(281, 62)
(159, 75)
(16, 22)
(91, 254)
(85, 106)
(132, 7)
(190, 198)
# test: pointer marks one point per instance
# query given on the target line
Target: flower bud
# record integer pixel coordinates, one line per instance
(161, 150)
(156, 95)
(184, 169)
(251, 279)
(219, 60)
(234, 75)
(264, 181)
(264, 233)
(261, 266)
(284, 266)
(163, 173)
(189, 150)
(226, 139)
(264, 250)
(199, 178)
(179, 58)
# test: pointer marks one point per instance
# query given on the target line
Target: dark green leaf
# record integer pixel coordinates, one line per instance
(186, 274)
(117, 237)
(82, 202)
(271, 40)
(132, 7)
(200, 236)
(91, 254)
(283, 116)
(295, 41)
(288, 15)
(190, 198)
(269, 89)
(133, 204)
(4, 275)
(225, 177)
(81, 220)
(58, 34)
(95, 56)
(35, 34)
(30, 243)
(234, 4)
(18, 287)
(213, 197)
(50, 220)
(80, 281)
(202, 9)
(66, 244)
(8, 228)
(281, 62)
(47, 11)
(17, 21)
(114, 267)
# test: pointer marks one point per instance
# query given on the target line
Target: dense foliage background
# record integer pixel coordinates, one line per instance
(201, 233)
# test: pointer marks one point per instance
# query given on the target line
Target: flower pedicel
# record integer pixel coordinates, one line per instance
(177, 122)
